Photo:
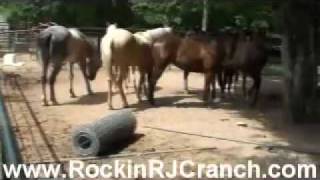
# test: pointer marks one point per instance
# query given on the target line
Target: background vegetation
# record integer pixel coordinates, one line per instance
(183, 14)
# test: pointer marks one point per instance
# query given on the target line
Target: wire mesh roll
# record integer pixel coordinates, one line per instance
(99, 136)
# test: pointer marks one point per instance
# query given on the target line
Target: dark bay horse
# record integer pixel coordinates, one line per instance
(228, 41)
(250, 57)
(191, 54)
(59, 45)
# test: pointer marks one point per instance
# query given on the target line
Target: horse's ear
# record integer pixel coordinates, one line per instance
(108, 24)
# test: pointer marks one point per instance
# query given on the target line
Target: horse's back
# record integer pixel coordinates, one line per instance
(197, 55)
(52, 43)
(250, 56)
(58, 33)
(125, 48)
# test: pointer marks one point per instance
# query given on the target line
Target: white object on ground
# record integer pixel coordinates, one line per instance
(10, 60)
(242, 124)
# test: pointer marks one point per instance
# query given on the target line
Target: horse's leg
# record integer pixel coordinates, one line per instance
(207, 84)
(44, 82)
(110, 93)
(119, 83)
(235, 80)
(83, 68)
(230, 82)
(127, 81)
(134, 81)
(256, 89)
(71, 76)
(244, 84)
(157, 72)
(141, 83)
(52, 80)
(213, 85)
(115, 74)
(221, 82)
(145, 85)
(185, 78)
(149, 76)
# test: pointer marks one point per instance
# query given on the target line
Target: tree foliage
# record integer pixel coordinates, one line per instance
(186, 14)
(69, 12)
(182, 14)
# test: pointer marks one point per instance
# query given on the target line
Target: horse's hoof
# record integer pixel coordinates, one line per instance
(125, 106)
(110, 107)
(45, 104)
(73, 96)
(207, 104)
(152, 103)
(54, 103)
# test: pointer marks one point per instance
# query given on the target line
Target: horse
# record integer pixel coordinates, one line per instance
(191, 54)
(228, 40)
(123, 49)
(250, 57)
(149, 37)
(221, 47)
(59, 45)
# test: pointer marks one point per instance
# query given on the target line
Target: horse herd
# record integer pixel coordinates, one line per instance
(221, 58)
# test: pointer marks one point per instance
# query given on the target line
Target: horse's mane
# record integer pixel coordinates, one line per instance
(76, 33)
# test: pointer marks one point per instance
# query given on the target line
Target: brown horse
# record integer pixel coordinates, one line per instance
(121, 49)
(192, 54)
(226, 42)
(250, 58)
(59, 45)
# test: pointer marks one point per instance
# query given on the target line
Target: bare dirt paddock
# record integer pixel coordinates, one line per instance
(44, 133)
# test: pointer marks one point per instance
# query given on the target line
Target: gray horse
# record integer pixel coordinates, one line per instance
(59, 45)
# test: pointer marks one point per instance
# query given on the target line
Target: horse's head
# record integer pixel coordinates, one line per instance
(111, 27)
(93, 65)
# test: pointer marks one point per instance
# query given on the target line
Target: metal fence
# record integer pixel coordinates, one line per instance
(24, 41)
(19, 41)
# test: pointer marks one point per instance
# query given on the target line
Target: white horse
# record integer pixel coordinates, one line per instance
(148, 37)
(122, 49)
(152, 35)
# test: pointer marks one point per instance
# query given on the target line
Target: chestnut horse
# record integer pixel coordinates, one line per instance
(121, 49)
(59, 45)
(191, 54)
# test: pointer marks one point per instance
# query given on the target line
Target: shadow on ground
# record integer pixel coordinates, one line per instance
(96, 98)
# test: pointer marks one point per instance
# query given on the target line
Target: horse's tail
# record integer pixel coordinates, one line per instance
(106, 55)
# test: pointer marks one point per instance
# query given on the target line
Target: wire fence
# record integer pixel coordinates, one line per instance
(31, 134)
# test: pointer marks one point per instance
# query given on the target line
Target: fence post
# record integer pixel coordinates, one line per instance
(10, 149)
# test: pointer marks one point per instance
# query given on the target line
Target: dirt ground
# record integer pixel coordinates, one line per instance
(44, 133)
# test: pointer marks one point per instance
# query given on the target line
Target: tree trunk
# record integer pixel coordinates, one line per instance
(205, 16)
(299, 55)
